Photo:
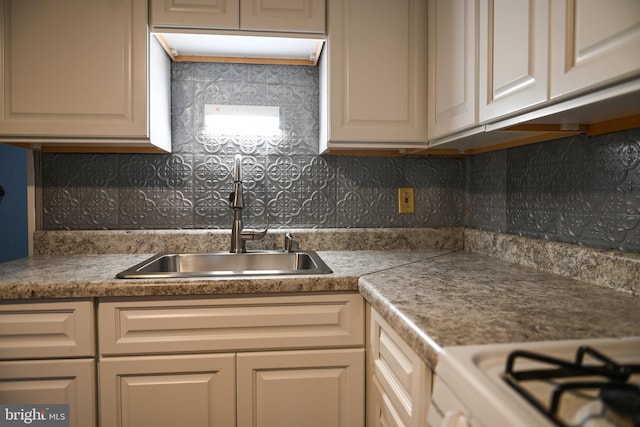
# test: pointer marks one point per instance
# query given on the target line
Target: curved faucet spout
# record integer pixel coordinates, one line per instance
(237, 172)
(236, 199)
(236, 202)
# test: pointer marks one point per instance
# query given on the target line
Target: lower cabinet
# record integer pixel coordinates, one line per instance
(257, 361)
(47, 356)
(285, 361)
(188, 390)
(281, 388)
(52, 382)
(398, 380)
(316, 388)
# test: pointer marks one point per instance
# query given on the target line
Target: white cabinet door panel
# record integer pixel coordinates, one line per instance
(168, 391)
(283, 15)
(452, 66)
(375, 74)
(222, 14)
(315, 388)
(513, 59)
(593, 43)
(52, 382)
(398, 379)
(74, 68)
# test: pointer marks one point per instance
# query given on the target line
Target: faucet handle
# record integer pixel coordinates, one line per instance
(256, 234)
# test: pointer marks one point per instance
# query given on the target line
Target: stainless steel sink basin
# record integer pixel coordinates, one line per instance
(214, 264)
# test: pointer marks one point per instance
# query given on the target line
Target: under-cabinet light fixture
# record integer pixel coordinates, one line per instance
(242, 119)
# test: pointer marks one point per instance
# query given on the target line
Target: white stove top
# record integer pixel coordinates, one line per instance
(469, 382)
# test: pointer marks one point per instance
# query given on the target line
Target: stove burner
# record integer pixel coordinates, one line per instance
(610, 379)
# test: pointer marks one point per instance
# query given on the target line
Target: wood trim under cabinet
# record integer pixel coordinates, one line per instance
(237, 59)
(541, 133)
(87, 149)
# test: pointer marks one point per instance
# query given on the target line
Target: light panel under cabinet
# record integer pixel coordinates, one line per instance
(238, 48)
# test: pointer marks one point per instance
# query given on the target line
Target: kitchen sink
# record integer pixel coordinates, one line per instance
(216, 264)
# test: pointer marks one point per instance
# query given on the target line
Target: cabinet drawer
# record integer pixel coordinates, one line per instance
(404, 379)
(46, 330)
(188, 325)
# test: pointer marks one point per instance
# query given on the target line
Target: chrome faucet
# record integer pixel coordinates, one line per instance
(236, 202)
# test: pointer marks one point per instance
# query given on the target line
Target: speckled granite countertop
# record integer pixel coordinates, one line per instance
(87, 276)
(434, 298)
(463, 298)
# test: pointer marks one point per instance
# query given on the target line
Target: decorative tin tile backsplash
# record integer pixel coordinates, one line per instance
(578, 190)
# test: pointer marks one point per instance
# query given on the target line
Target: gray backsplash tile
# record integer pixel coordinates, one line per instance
(579, 190)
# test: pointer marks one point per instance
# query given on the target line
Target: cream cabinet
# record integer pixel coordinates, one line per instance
(513, 56)
(311, 388)
(220, 14)
(544, 70)
(398, 380)
(452, 66)
(373, 76)
(184, 390)
(305, 16)
(82, 74)
(277, 360)
(47, 357)
(593, 44)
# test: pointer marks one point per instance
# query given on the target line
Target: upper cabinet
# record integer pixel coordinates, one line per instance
(220, 14)
(78, 73)
(593, 43)
(545, 69)
(305, 16)
(373, 75)
(452, 65)
(513, 60)
(249, 31)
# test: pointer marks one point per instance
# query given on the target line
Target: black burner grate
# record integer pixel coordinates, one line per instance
(614, 390)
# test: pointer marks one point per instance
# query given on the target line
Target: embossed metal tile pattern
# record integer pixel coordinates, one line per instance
(579, 190)
(283, 176)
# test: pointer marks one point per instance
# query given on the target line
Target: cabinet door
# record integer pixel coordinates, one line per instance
(374, 75)
(167, 391)
(301, 388)
(398, 381)
(513, 56)
(380, 410)
(73, 68)
(283, 15)
(52, 382)
(219, 14)
(452, 66)
(593, 43)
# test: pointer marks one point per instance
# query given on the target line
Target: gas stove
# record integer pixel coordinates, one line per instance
(577, 383)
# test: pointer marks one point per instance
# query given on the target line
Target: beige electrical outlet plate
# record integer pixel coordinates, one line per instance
(405, 200)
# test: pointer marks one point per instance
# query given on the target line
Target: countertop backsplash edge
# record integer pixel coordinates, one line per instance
(609, 268)
(85, 242)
